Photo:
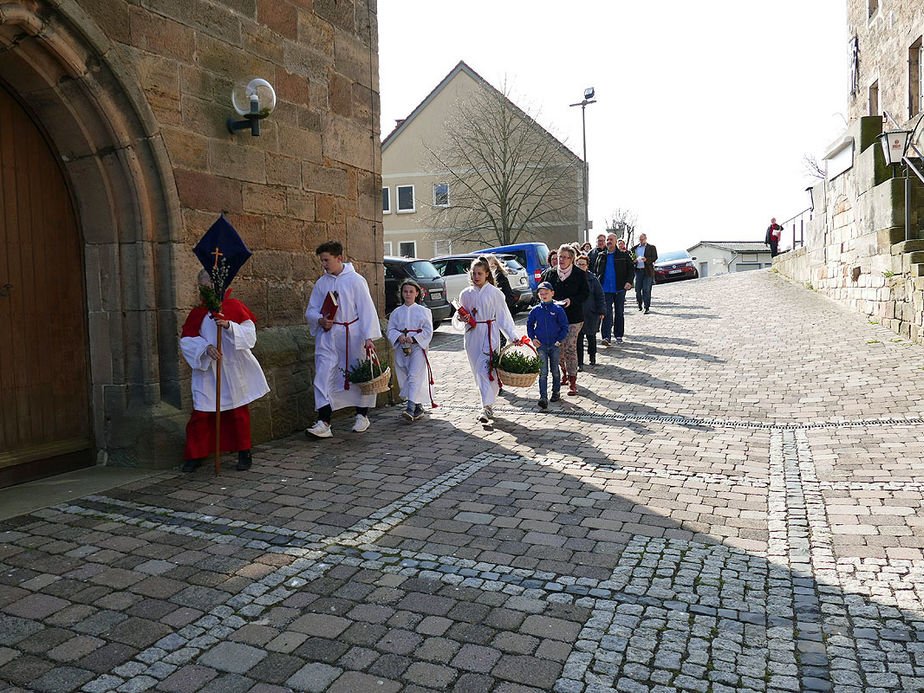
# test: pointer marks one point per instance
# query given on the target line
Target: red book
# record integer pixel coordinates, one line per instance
(329, 309)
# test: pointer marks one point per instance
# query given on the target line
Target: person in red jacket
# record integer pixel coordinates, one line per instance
(772, 238)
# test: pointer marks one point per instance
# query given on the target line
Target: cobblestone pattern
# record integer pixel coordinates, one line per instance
(599, 547)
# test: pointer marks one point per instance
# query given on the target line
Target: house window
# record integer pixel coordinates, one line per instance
(915, 79)
(441, 195)
(874, 98)
(387, 246)
(405, 198)
(442, 248)
(386, 201)
(407, 248)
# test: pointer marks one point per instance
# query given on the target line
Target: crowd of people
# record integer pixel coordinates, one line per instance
(582, 292)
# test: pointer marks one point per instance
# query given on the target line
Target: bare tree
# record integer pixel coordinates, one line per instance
(622, 222)
(506, 173)
(813, 168)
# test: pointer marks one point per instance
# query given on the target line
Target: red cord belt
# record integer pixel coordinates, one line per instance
(346, 370)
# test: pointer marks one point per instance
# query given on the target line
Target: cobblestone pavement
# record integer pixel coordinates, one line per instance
(730, 505)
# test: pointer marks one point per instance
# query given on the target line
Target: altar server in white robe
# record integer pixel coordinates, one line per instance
(342, 342)
(410, 329)
(483, 314)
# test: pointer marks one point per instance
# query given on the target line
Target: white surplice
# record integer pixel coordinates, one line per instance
(411, 369)
(485, 304)
(331, 357)
(242, 379)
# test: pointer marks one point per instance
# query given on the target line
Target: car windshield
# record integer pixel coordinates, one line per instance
(422, 269)
(513, 264)
(674, 256)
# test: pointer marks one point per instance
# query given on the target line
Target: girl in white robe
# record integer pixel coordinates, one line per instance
(483, 315)
(410, 329)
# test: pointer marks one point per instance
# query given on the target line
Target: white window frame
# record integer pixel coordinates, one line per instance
(413, 243)
(435, 185)
(387, 248)
(386, 197)
(436, 247)
(398, 200)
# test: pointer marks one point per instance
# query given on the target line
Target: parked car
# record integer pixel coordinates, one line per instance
(675, 265)
(454, 270)
(533, 256)
(397, 269)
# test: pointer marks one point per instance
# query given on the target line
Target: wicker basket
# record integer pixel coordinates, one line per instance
(379, 383)
(516, 379)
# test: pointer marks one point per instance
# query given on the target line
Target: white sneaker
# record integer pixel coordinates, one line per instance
(362, 423)
(489, 411)
(319, 430)
(483, 417)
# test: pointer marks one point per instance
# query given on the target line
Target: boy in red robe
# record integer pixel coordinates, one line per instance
(242, 379)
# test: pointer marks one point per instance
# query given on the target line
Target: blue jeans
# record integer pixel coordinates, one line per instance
(643, 288)
(614, 315)
(548, 354)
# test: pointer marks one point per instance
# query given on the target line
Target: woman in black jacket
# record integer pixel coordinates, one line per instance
(570, 285)
(593, 314)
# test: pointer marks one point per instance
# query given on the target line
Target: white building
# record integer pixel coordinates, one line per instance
(721, 257)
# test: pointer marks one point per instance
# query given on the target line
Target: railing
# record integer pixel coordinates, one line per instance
(798, 226)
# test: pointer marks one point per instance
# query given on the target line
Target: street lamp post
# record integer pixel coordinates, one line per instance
(588, 99)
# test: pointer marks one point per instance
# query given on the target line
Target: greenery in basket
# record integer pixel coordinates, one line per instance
(515, 362)
(364, 371)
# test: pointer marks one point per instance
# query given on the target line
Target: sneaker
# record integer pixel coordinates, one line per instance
(418, 412)
(606, 342)
(319, 430)
(408, 413)
(483, 417)
(361, 424)
(190, 465)
(543, 403)
(619, 340)
(489, 411)
(555, 397)
(244, 460)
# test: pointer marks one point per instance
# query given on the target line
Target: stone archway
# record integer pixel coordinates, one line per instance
(70, 77)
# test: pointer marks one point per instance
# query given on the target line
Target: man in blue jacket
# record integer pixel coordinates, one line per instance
(547, 326)
(614, 270)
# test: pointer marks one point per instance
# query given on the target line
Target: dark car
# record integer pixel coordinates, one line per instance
(674, 266)
(397, 269)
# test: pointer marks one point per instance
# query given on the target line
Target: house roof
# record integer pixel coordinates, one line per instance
(735, 246)
(462, 67)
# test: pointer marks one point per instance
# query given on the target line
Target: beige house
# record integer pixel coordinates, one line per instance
(412, 190)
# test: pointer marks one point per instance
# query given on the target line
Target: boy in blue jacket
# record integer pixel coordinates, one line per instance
(547, 326)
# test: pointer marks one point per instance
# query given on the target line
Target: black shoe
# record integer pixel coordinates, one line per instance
(543, 403)
(647, 311)
(639, 306)
(593, 362)
(191, 465)
(555, 397)
(580, 367)
(244, 460)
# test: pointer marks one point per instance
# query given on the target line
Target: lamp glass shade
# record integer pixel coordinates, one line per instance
(256, 98)
(894, 143)
(589, 93)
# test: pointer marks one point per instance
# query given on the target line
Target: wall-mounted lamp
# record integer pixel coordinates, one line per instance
(253, 102)
(811, 194)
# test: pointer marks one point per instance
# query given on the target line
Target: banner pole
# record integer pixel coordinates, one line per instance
(218, 405)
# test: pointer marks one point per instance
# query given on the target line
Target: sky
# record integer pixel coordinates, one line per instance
(704, 109)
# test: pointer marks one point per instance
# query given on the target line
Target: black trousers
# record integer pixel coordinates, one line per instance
(589, 333)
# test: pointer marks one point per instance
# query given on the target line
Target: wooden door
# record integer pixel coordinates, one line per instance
(44, 383)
